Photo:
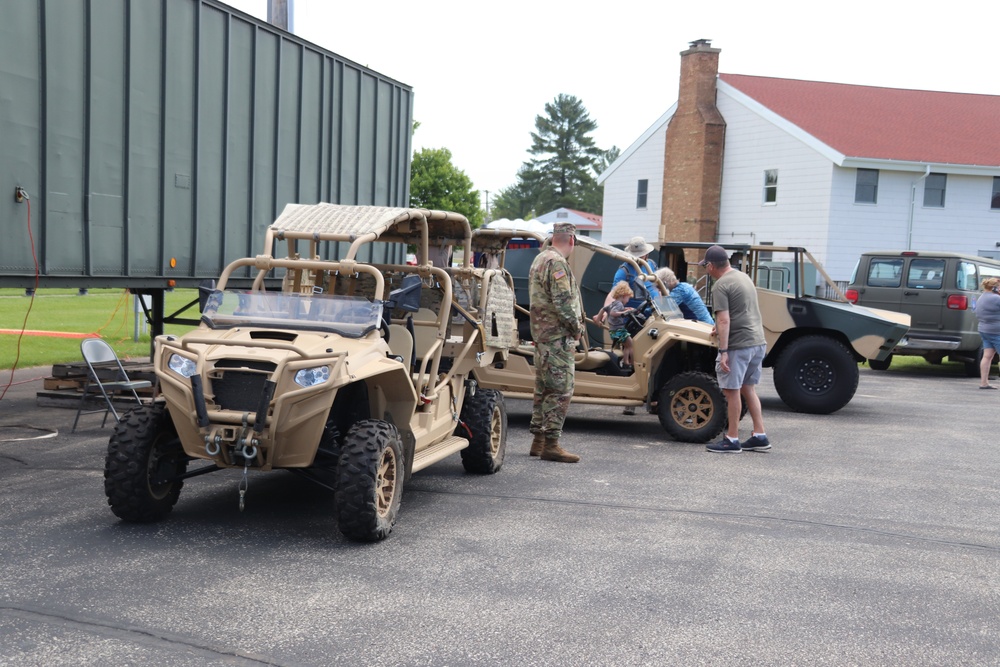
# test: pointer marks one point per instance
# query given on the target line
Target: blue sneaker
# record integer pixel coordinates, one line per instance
(757, 443)
(727, 446)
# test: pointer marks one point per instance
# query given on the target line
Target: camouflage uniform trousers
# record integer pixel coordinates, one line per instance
(555, 373)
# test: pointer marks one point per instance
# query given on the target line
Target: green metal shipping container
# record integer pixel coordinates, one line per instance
(157, 139)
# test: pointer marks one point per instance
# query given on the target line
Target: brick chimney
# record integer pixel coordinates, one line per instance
(692, 161)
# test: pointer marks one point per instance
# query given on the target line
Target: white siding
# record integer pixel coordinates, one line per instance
(815, 206)
(802, 210)
(622, 220)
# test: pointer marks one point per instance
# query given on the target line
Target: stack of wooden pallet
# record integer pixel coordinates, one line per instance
(63, 388)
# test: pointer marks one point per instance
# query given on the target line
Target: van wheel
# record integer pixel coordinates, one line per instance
(877, 365)
(692, 408)
(972, 367)
(816, 374)
(369, 480)
(486, 417)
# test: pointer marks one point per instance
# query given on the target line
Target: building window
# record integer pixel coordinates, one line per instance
(643, 190)
(562, 214)
(934, 187)
(995, 200)
(866, 188)
(770, 186)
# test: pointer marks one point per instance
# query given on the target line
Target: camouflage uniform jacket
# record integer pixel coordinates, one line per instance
(555, 298)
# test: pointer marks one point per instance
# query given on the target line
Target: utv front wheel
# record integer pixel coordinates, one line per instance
(692, 408)
(144, 460)
(485, 415)
(369, 480)
(816, 374)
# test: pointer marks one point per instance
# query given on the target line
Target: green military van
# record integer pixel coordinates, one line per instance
(938, 290)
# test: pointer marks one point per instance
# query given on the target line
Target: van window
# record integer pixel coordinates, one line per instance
(966, 277)
(925, 273)
(987, 272)
(884, 272)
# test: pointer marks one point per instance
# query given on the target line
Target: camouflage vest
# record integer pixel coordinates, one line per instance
(555, 299)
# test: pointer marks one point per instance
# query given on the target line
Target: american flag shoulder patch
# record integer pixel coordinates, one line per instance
(558, 275)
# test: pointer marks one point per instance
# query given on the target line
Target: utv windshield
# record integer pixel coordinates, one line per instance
(668, 307)
(350, 316)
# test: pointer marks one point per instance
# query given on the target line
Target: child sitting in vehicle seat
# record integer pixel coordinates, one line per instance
(616, 313)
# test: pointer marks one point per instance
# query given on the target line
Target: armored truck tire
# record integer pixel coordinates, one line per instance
(484, 416)
(877, 365)
(143, 462)
(369, 480)
(816, 374)
(692, 408)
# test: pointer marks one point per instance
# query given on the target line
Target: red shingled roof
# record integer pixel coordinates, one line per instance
(597, 220)
(885, 123)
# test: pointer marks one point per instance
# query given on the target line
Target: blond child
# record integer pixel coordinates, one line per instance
(616, 313)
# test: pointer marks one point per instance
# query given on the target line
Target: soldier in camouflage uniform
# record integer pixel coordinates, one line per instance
(556, 327)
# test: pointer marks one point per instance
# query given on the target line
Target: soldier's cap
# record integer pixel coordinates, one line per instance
(714, 255)
(564, 228)
(638, 247)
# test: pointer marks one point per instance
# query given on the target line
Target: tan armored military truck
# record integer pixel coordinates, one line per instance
(815, 337)
(352, 374)
(674, 369)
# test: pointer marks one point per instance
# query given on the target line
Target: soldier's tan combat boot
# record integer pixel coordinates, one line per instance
(537, 445)
(553, 452)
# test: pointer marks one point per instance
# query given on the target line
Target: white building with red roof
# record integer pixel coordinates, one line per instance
(837, 168)
(587, 224)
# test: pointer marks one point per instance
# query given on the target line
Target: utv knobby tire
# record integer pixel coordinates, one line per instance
(485, 415)
(692, 408)
(144, 459)
(369, 480)
(816, 374)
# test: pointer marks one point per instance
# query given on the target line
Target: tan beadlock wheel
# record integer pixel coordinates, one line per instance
(692, 408)
(369, 480)
(484, 423)
(385, 482)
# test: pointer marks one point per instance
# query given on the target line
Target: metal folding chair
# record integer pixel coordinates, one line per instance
(98, 356)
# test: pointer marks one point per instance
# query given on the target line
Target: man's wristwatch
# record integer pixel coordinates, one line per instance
(721, 351)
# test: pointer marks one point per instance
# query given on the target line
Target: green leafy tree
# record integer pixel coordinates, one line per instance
(520, 200)
(564, 169)
(436, 183)
(565, 153)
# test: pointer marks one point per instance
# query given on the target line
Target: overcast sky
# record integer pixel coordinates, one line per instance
(482, 71)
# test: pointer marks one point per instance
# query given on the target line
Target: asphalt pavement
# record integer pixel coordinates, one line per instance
(866, 537)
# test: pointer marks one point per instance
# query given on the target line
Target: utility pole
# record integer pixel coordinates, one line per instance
(487, 205)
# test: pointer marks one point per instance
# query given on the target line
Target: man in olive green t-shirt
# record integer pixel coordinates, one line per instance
(742, 347)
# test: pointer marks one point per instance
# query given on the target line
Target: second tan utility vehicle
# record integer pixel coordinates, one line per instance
(674, 370)
(353, 374)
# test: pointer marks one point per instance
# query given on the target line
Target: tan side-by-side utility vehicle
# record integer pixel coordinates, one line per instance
(674, 370)
(353, 374)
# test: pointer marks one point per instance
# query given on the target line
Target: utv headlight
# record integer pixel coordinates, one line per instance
(182, 365)
(310, 377)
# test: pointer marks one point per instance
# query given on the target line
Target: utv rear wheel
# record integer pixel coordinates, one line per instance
(144, 459)
(692, 408)
(816, 374)
(369, 480)
(485, 415)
